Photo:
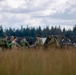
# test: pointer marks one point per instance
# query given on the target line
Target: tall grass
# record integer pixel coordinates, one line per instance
(38, 62)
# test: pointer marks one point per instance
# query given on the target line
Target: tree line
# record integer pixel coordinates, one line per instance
(32, 32)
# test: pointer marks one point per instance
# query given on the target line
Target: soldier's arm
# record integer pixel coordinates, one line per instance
(27, 44)
(17, 45)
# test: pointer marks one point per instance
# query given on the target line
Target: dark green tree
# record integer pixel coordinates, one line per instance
(1, 31)
(74, 29)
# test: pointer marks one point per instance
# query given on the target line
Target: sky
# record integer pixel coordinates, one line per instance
(35, 13)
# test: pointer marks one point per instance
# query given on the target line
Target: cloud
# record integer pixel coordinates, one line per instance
(1, 0)
(14, 13)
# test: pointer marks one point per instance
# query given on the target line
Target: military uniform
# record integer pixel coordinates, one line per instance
(24, 43)
(52, 41)
(3, 43)
(9, 44)
(39, 42)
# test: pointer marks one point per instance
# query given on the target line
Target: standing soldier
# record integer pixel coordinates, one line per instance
(14, 43)
(3, 42)
(24, 43)
(38, 41)
(6, 42)
(10, 42)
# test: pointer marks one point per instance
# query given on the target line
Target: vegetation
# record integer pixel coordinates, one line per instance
(33, 31)
(38, 62)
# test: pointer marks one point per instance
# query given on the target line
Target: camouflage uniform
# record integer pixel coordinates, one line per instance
(57, 41)
(24, 43)
(52, 41)
(3, 43)
(39, 42)
(12, 43)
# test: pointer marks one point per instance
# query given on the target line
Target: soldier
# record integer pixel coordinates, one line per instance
(24, 43)
(66, 42)
(52, 41)
(14, 43)
(57, 41)
(3, 42)
(10, 42)
(6, 42)
(38, 41)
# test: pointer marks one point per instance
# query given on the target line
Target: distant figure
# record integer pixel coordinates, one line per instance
(14, 42)
(52, 41)
(5, 37)
(38, 41)
(66, 40)
(10, 42)
(3, 42)
(24, 43)
(6, 42)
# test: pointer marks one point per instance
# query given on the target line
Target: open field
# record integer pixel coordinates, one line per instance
(38, 62)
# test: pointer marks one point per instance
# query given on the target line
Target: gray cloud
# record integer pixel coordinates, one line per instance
(19, 10)
(2, 0)
(37, 12)
(62, 16)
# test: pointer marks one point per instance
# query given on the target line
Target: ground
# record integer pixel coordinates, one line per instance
(38, 62)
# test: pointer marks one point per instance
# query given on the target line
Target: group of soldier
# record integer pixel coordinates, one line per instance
(55, 41)
(12, 43)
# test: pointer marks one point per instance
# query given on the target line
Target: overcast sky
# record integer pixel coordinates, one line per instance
(14, 13)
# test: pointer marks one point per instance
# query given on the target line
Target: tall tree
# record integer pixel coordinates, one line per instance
(1, 31)
(74, 30)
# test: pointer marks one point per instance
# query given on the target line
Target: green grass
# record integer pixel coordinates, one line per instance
(38, 62)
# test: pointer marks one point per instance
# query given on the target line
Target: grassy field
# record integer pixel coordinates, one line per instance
(38, 62)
